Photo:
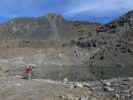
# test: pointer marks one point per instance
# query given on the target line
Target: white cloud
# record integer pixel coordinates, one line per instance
(100, 6)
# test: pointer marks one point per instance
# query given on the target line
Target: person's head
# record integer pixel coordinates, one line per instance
(27, 66)
(30, 66)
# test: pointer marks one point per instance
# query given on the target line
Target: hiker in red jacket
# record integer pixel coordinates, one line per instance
(28, 72)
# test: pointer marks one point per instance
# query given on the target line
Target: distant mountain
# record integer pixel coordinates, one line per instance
(52, 26)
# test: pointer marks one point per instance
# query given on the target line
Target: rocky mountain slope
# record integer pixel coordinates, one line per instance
(51, 26)
(69, 59)
(60, 48)
(111, 49)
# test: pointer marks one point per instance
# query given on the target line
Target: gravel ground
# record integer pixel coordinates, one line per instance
(40, 89)
(18, 89)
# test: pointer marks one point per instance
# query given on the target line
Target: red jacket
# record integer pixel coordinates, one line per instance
(28, 70)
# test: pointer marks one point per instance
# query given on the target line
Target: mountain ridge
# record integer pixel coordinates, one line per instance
(43, 26)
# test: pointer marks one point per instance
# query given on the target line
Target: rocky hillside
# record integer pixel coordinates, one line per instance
(110, 49)
(80, 52)
(125, 19)
(125, 26)
(49, 27)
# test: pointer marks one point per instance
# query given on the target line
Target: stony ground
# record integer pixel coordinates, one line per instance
(17, 89)
(38, 89)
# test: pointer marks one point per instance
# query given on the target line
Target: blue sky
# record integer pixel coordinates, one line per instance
(94, 10)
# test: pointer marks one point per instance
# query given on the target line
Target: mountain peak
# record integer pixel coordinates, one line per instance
(130, 13)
